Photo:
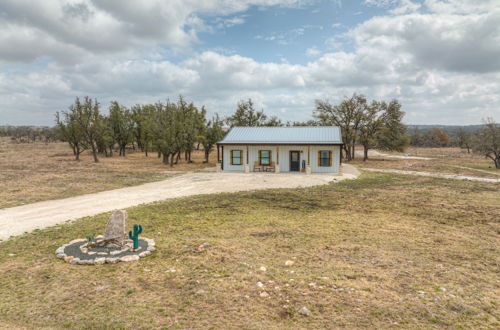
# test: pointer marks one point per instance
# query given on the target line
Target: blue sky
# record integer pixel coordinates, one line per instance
(440, 58)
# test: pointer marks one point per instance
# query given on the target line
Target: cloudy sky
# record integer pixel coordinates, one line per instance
(440, 58)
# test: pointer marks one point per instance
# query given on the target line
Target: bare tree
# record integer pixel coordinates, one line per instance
(487, 142)
(464, 139)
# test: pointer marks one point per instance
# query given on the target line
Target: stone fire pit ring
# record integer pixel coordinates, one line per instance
(77, 253)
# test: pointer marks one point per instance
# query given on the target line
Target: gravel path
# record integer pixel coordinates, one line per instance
(375, 153)
(20, 219)
(434, 175)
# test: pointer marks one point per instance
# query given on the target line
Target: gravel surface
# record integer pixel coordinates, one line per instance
(74, 251)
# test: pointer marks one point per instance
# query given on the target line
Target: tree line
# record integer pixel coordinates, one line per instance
(29, 134)
(171, 129)
(174, 129)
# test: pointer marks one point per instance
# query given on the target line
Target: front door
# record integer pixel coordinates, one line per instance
(294, 161)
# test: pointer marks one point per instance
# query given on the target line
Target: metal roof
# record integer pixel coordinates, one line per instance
(283, 135)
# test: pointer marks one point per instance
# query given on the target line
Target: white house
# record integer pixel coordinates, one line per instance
(302, 149)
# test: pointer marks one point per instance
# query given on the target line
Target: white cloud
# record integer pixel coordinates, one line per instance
(312, 52)
(441, 62)
(69, 30)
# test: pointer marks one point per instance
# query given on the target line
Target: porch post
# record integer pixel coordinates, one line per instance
(277, 168)
(308, 166)
(247, 166)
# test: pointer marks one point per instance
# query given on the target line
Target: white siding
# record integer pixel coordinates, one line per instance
(227, 158)
(284, 157)
(253, 154)
(315, 168)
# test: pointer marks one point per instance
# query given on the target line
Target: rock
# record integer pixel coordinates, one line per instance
(60, 250)
(86, 262)
(74, 261)
(144, 254)
(61, 256)
(170, 270)
(289, 263)
(115, 252)
(129, 258)
(112, 260)
(78, 240)
(262, 269)
(201, 291)
(260, 284)
(116, 226)
(305, 311)
(12, 254)
(264, 294)
(442, 289)
(68, 258)
(100, 261)
(151, 248)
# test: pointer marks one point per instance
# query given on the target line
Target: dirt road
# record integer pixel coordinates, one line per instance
(21, 219)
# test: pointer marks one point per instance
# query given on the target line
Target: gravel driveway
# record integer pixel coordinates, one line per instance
(20, 219)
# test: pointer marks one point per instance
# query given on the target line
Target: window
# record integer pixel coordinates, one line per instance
(325, 158)
(236, 157)
(265, 157)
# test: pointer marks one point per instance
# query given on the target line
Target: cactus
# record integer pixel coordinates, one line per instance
(135, 236)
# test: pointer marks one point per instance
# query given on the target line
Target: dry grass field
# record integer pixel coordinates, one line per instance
(36, 172)
(444, 160)
(382, 251)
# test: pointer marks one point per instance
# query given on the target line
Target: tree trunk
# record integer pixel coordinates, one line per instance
(497, 163)
(165, 159)
(146, 150)
(77, 154)
(365, 154)
(189, 157)
(159, 154)
(207, 154)
(178, 158)
(94, 153)
(172, 160)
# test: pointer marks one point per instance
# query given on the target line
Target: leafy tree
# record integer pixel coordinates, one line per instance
(246, 115)
(213, 133)
(347, 115)
(89, 121)
(69, 130)
(487, 142)
(393, 136)
(121, 123)
(371, 126)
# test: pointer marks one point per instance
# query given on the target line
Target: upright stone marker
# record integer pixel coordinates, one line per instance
(116, 227)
